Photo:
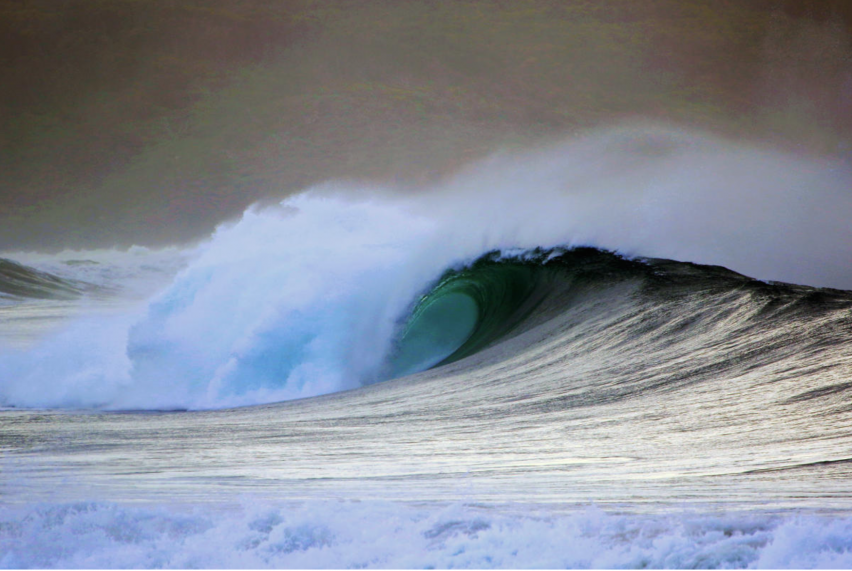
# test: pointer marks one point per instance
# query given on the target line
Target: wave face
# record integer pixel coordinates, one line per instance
(341, 287)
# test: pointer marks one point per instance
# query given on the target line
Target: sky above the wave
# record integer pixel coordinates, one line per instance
(148, 123)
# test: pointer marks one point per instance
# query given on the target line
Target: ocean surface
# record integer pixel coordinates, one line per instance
(632, 348)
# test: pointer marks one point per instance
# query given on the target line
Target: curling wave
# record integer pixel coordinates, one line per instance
(469, 309)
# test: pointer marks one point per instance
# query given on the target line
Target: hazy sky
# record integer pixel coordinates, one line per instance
(148, 122)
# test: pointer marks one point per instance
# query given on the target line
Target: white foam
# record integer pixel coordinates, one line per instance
(261, 534)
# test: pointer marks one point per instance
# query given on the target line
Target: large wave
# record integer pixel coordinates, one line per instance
(330, 290)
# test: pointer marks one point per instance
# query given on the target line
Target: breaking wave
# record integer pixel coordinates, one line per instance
(344, 286)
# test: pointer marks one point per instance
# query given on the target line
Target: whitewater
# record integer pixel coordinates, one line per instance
(630, 348)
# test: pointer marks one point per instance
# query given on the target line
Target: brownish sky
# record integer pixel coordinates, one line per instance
(148, 121)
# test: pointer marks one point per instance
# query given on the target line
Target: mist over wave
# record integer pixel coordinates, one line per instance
(308, 297)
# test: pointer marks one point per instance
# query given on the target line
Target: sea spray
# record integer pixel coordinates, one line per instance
(283, 304)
